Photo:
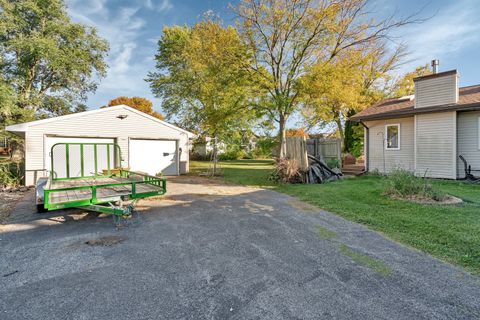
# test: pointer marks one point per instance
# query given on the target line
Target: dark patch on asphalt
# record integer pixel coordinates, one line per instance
(325, 233)
(374, 264)
(10, 273)
(107, 241)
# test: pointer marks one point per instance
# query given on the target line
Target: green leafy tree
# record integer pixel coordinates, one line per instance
(201, 78)
(50, 62)
(355, 79)
(288, 37)
(404, 86)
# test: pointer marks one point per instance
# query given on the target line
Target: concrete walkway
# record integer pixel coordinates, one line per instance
(214, 251)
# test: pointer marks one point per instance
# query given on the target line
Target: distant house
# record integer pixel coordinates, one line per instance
(427, 132)
(204, 147)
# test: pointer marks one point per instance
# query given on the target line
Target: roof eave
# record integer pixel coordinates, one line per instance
(413, 111)
(23, 127)
(15, 128)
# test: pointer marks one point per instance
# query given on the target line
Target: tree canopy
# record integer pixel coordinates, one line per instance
(288, 37)
(49, 62)
(139, 103)
(201, 78)
(404, 86)
(355, 79)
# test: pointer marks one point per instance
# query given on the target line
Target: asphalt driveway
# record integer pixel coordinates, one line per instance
(214, 251)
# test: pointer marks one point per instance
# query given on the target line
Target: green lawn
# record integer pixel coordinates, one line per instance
(449, 232)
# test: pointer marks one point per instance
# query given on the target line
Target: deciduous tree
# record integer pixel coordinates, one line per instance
(288, 37)
(298, 132)
(48, 60)
(355, 79)
(202, 80)
(139, 103)
(404, 86)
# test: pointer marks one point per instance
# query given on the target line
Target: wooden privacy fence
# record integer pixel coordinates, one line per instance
(325, 149)
(312, 162)
(299, 148)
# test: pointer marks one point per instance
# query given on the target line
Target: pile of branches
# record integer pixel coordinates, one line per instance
(286, 171)
(319, 172)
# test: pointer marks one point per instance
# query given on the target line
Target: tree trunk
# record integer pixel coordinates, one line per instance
(282, 136)
(215, 156)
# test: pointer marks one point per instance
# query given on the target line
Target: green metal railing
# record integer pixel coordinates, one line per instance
(93, 199)
(112, 150)
(108, 169)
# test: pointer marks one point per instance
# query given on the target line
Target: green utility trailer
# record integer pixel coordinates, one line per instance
(90, 176)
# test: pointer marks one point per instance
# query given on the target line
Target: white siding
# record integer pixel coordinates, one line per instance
(436, 91)
(436, 145)
(468, 143)
(402, 158)
(99, 125)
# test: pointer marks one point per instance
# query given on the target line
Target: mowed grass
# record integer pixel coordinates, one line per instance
(448, 232)
(246, 172)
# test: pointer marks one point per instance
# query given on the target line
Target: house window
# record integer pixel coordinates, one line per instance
(392, 137)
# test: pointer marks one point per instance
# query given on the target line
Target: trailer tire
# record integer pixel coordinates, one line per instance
(41, 208)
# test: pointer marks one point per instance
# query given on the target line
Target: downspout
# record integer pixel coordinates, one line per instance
(367, 147)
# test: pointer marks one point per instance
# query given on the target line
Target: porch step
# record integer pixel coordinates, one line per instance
(353, 169)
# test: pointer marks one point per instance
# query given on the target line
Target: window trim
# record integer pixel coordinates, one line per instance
(386, 136)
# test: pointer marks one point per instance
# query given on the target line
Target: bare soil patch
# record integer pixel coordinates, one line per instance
(8, 200)
(107, 241)
(448, 200)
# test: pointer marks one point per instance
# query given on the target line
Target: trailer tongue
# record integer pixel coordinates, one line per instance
(90, 176)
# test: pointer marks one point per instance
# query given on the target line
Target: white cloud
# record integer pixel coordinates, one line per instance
(89, 6)
(165, 5)
(160, 6)
(122, 28)
(121, 63)
(454, 28)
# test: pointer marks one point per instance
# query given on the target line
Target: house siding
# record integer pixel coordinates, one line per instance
(436, 145)
(468, 144)
(99, 125)
(402, 158)
(436, 91)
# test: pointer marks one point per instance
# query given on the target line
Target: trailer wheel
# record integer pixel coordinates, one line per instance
(41, 208)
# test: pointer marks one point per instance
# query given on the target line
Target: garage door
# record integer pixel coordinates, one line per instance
(60, 167)
(153, 156)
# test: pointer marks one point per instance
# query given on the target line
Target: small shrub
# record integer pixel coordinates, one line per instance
(333, 163)
(286, 171)
(233, 154)
(197, 157)
(264, 148)
(404, 184)
(10, 174)
(375, 173)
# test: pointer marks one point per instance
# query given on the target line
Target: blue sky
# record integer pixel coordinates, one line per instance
(133, 28)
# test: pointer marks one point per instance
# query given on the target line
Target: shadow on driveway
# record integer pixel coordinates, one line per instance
(208, 250)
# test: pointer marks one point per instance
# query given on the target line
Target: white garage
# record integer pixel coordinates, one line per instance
(153, 156)
(147, 144)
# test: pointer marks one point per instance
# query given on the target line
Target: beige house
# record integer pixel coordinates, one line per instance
(426, 132)
(147, 144)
